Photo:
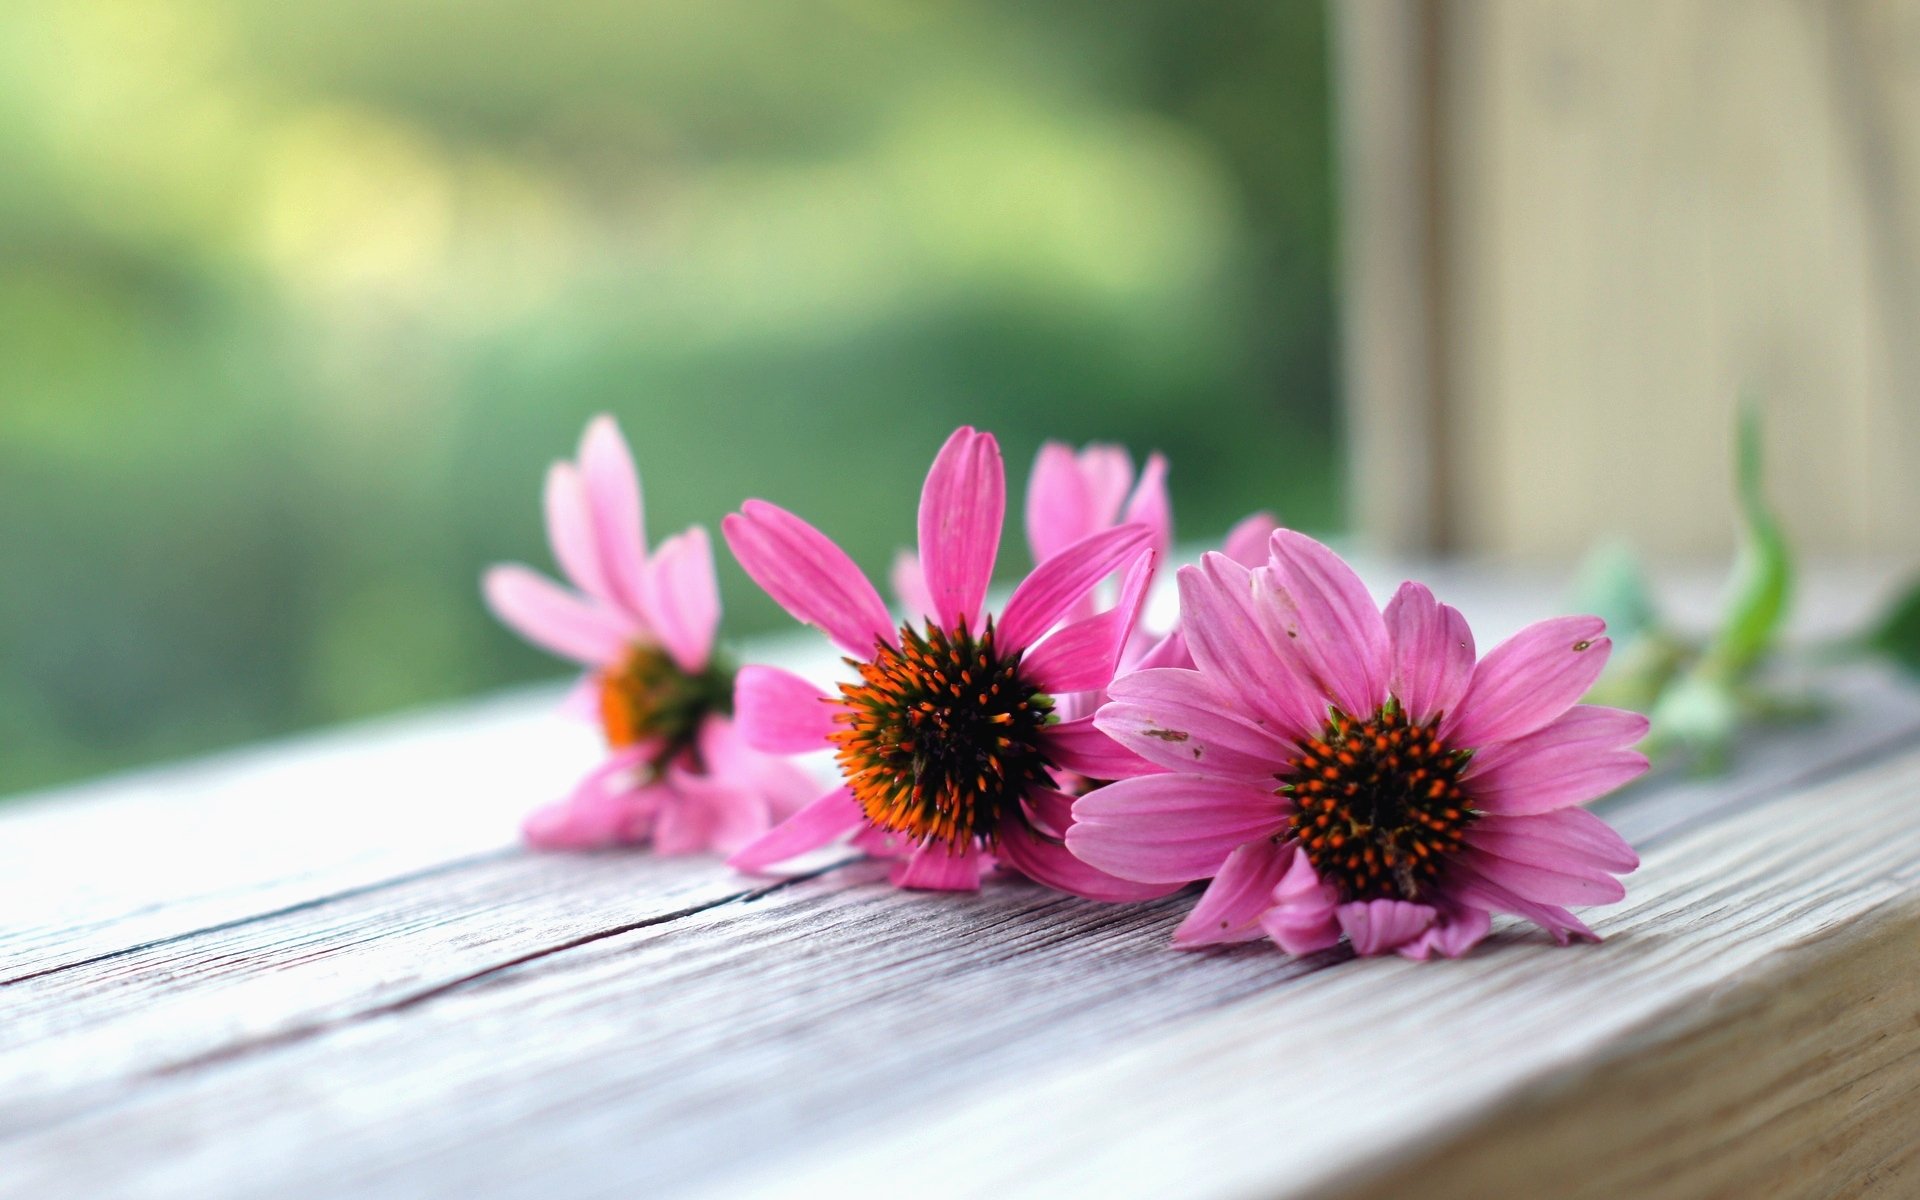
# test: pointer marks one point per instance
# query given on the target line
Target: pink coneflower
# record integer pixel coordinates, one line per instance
(947, 739)
(676, 770)
(1340, 771)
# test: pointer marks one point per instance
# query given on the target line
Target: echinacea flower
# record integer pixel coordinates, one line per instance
(1340, 771)
(946, 738)
(676, 771)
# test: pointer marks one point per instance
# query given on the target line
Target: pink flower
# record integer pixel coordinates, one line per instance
(1417, 790)
(676, 770)
(947, 740)
(1073, 494)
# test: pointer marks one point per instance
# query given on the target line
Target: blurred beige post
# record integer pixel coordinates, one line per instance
(1576, 233)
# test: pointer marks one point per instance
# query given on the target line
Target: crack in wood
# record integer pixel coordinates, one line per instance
(412, 1000)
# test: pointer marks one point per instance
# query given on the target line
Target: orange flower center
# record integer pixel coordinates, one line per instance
(1378, 805)
(647, 697)
(940, 738)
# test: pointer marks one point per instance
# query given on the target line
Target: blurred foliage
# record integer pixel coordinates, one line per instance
(1699, 692)
(297, 300)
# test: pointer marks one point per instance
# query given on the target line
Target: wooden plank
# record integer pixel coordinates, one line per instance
(848, 1027)
(1802, 911)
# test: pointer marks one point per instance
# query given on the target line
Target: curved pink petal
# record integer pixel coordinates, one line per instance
(1529, 679)
(1059, 511)
(821, 823)
(1079, 747)
(934, 868)
(1457, 931)
(1083, 656)
(613, 494)
(909, 585)
(1180, 721)
(1056, 585)
(1381, 926)
(1568, 881)
(1565, 839)
(1246, 543)
(1231, 907)
(1432, 653)
(571, 532)
(608, 807)
(1050, 863)
(1302, 918)
(1330, 619)
(684, 599)
(1150, 506)
(809, 576)
(1582, 754)
(962, 507)
(780, 713)
(708, 813)
(1468, 885)
(779, 785)
(1171, 828)
(555, 619)
(1231, 646)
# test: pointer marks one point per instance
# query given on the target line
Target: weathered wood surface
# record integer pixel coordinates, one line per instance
(380, 995)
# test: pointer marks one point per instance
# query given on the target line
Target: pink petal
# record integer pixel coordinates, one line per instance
(608, 807)
(1457, 931)
(780, 713)
(1568, 838)
(961, 510)
(1301, 920)
(1529, 679)
(1246, 542)
(1231, 907)
(818, 824)
(1059, 510)
(1565, 882)
(1582, 754)
(684, 599)
(1468, 885)
(582, 702)
(1233, 649)
(1057, 584)
(934, 868)
(1108, 472)
(613, 494)
(708, 813)
(1079, 747)
(555, 619)
(1179, 720)
(1171, 828)
(1432, 653)
(1329, 619)
(1150, 506)
(570, 530)
(1049, 863)
(1380, 926)
(909, 585)
(1083, 656)
(780, 786)
(809, 576)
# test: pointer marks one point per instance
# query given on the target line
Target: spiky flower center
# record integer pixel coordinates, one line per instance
(1378, 805)
(647, 697)
(940, 738)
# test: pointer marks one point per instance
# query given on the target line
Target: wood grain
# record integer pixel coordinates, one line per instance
(622, 1024)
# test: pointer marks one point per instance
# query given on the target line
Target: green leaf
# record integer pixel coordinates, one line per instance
(1763, 573)
(1612, 585)
(1897, 633)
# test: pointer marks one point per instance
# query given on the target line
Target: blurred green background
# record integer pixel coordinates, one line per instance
(298, 300)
